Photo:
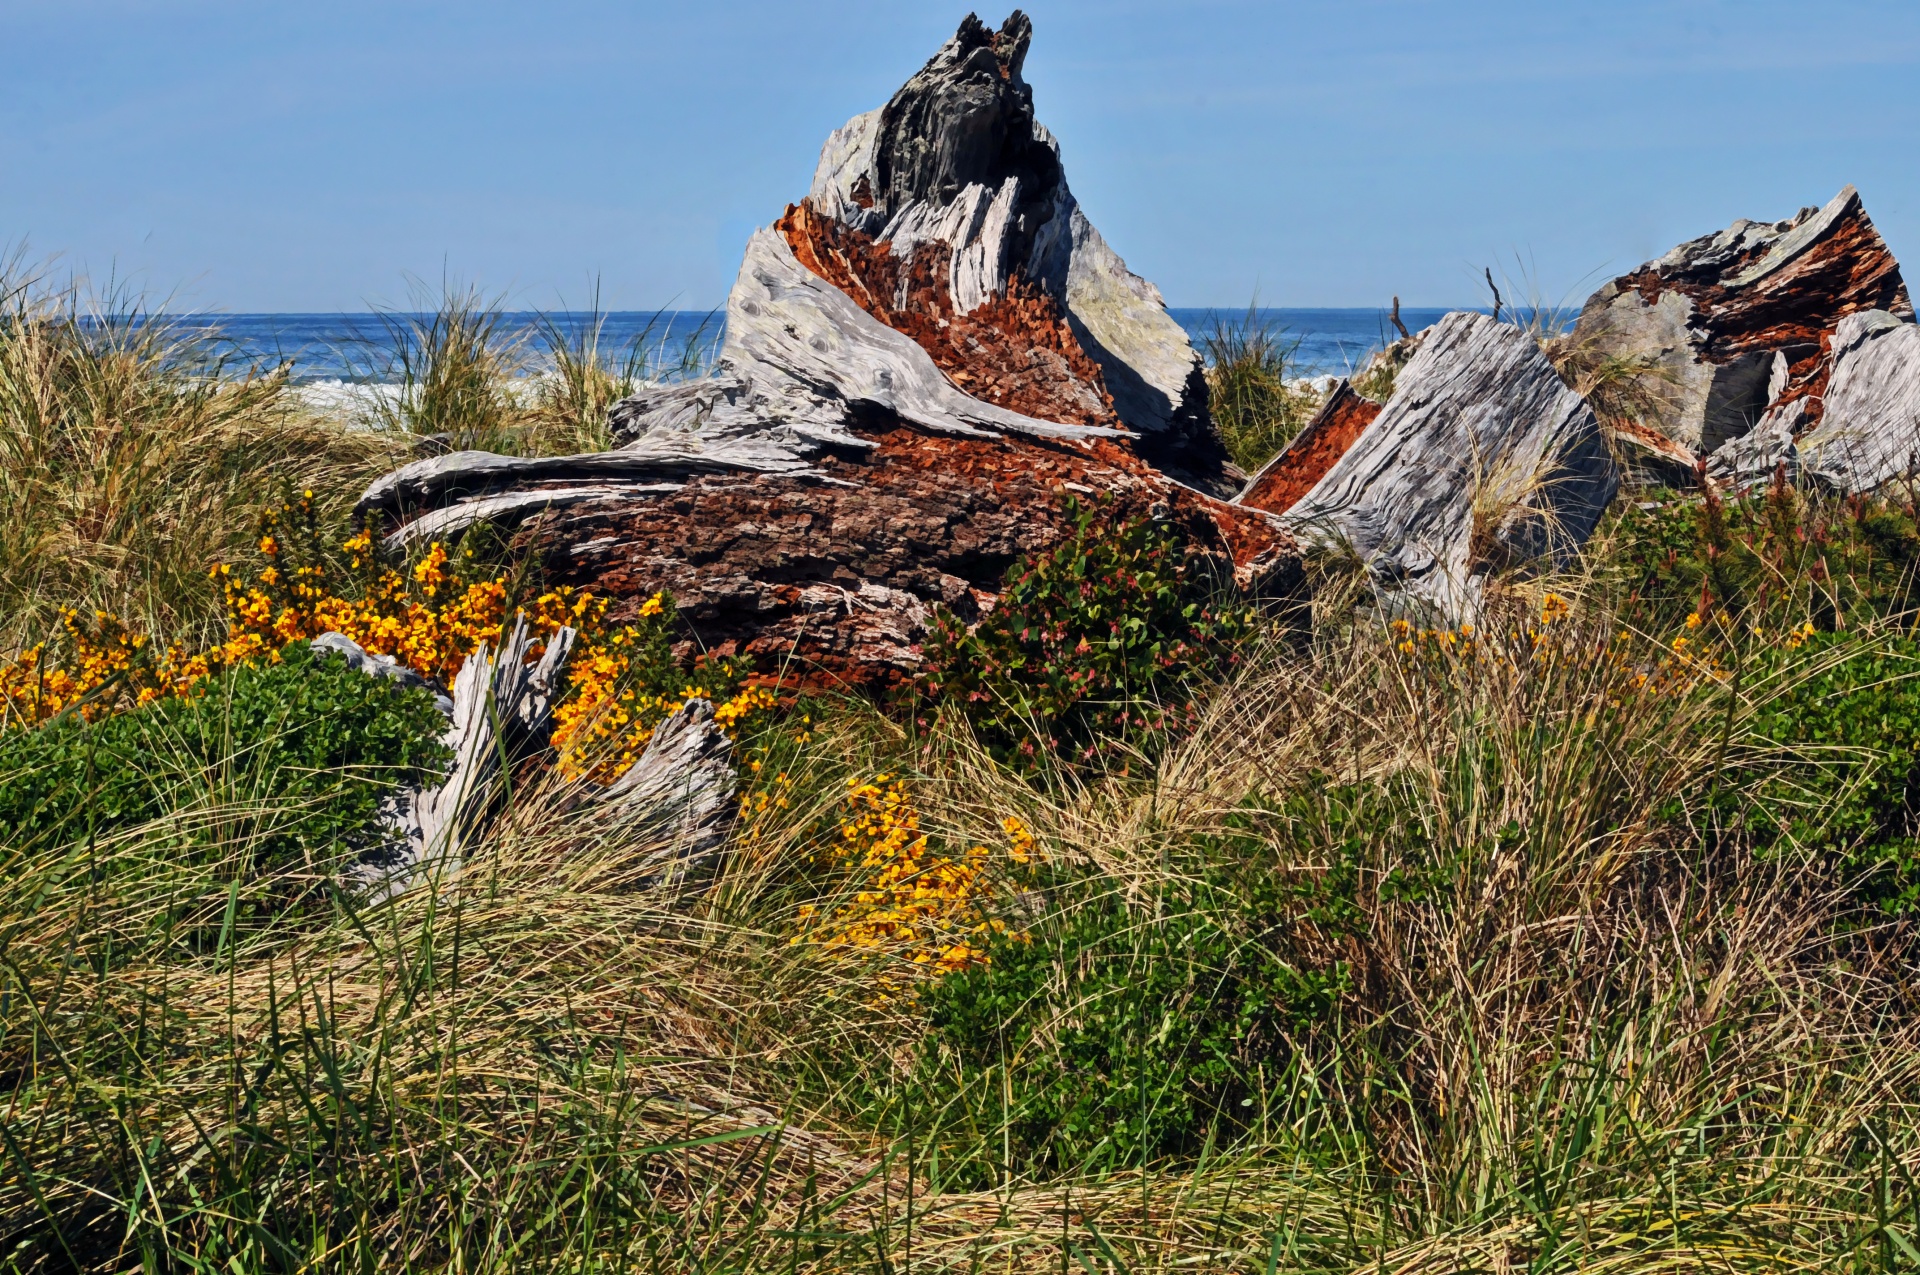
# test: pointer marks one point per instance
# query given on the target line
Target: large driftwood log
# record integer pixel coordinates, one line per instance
(833, 580)
(1737, 321)
(1481, 457)
(921, 359)
(1869, 433)
(442, 496)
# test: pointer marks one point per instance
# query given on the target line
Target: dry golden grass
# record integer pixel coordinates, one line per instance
(133, 456)
(1590, 1047)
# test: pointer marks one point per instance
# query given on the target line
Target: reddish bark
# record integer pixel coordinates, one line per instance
(1294, 472)
(1014, 351)
(1793, 309)
(831, 584)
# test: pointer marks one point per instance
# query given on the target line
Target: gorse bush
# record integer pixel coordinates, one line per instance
(916, 910)
(1097, 647)
(625, 680)
(429, 615)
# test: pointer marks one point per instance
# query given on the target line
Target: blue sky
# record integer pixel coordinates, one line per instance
(279, 156)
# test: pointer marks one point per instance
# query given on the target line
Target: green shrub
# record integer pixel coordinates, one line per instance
(1096, 646)
(296, 753)
(1849, 783)
(1117, 1031)
(1775, 557)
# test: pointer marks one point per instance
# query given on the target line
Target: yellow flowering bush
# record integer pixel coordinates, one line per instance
(911, 903)
(429, 615)
(37, 685)
(626, 681)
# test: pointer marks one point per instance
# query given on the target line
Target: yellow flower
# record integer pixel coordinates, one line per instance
(913, 903)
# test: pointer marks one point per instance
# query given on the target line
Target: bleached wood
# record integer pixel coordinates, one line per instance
(502, 706)
(436, 480)
(374, 665)
(796, 336)
(1721, 321)
(678, 796)
(1869, 433)
(1768, 449)
(1479, 427)
(510, 507)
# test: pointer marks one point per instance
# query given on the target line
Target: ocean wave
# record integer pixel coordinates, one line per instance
(376, 401)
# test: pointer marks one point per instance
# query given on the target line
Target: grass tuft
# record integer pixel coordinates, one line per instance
(1256, 407)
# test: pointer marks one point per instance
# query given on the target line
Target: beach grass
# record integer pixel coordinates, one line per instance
(1250, 389)
(134, 453)
(466, 378)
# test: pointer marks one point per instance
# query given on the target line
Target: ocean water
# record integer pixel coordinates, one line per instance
(364, 348)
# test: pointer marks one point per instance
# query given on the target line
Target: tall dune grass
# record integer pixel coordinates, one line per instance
(1249, 366)
(134, 453)
(465, 378)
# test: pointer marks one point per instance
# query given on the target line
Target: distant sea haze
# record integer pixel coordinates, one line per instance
(363, 347)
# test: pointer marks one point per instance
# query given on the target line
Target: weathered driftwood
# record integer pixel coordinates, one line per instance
(509, 509)
(921, 359)
(941, 272)
(1650, 454)
(1481, 457)
(1735, 322)
(832, 579)
(678, 797)
(1763, 453)
(502, 708)
(441, 496)
(1869, 433)
(818, 360)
